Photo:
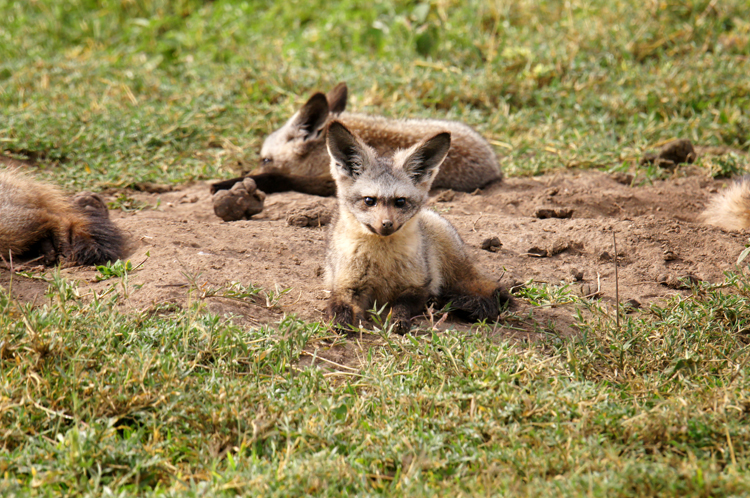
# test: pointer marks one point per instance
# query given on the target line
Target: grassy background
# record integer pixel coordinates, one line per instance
(128, 91)
(112, 93)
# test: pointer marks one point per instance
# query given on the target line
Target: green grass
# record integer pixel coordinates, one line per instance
(182, 402)
(178, 401)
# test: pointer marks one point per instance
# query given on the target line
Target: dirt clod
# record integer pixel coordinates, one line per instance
(152, 188)
(312, 216)
(560, 245)
(537, 252)
(674, 282)
(553, 212)
(240, 202)
(674, 153)
(446, 196)
(491, 244)
(622, 178)
(576, 274)
(631, 305)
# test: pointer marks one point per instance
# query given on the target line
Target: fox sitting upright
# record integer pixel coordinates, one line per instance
(386, 247)
(37, 220)
(294, 157)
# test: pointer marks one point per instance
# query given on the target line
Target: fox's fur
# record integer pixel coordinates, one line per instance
(298, 149)
(386, 247)
(38, 220)
(730, 209)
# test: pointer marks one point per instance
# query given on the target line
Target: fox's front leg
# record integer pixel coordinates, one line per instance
(347, 306)
(410, 303)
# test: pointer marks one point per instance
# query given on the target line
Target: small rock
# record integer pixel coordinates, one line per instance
(491, 244)
(553, 212)
(669, 255)
(605, 256)
(537, 252)
(560, 245)
(446, 196)
(552, 191)
(631, 305)
(576, 274)
(588, 291)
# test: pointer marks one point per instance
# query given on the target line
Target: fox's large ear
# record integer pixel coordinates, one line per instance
(337, 98)
(345, 150)
(311, 119)
(422, 164)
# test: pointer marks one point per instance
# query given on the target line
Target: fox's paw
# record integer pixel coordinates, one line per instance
(239, 202)
(402, 326)
(342, 314)
(502, 296)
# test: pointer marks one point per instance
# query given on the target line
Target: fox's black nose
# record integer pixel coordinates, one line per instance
(387, 224)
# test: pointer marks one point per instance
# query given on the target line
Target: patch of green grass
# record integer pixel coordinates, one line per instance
(180, 401)
(117, 269)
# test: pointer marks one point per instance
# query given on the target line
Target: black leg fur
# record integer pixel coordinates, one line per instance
(280, 182)
(407, 305)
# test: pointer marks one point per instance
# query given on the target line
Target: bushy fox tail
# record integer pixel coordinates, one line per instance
(730, 208)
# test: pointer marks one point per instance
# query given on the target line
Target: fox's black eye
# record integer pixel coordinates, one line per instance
(266, 160)
(370, 201)
(400, 202)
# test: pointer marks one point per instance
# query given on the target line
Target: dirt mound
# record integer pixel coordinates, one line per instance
(554, 229)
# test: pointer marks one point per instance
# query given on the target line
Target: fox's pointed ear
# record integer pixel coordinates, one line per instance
(422, 164)
(337, 98)
(346, 151)
(311, 119)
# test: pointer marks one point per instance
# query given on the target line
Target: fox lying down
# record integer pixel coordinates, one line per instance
(295, 158)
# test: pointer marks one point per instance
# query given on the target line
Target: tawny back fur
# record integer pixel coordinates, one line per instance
(386, 247)
(37, 219)
(299, 147)
(730, 208)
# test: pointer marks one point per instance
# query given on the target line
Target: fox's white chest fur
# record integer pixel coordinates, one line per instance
(384, 265)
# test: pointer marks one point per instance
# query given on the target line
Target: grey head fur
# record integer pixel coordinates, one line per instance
(399, 183)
